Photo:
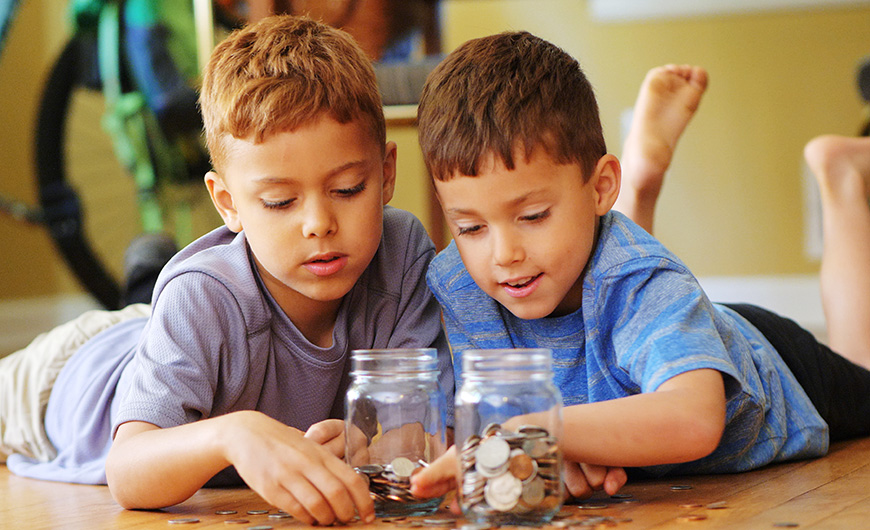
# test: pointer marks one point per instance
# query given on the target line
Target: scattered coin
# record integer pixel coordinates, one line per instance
(680, 487)
(439, 522)
(691, 517)
(717, 505)
(280, 516)
(226, 512)
(592, 506)
(786, 524)
(187, 520)
(260, 527)
(691, 506)
(258, 512)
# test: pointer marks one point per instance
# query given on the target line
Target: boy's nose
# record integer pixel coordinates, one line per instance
(318, 220)
(507, 249)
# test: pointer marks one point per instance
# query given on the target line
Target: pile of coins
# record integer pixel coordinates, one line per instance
(390, 486)
(514, 473)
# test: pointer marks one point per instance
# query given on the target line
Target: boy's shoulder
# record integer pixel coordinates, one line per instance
(214, 269)
(403, 229)
(624, 248)
(447, 272)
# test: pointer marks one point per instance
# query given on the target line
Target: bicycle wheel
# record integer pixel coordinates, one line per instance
(89, 199)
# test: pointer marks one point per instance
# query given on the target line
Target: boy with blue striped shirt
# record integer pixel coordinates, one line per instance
(653, 375)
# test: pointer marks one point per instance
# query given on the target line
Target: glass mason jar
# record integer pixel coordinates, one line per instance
(395, 424)
(508, 424)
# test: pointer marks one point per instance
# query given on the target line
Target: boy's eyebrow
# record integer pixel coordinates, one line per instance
(513, 202)
(331, 173)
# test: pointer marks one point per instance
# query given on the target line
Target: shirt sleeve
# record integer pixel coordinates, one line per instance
(192, 358)
(663, 325)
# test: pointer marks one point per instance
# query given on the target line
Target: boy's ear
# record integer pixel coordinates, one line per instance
(223, 201)
(389, 171)
(607, 179)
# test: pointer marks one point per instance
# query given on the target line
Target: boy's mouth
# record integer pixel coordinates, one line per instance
(326, 264)
(522, 286)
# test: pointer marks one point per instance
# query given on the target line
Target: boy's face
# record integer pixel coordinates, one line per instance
(311, 204)
(525, 235)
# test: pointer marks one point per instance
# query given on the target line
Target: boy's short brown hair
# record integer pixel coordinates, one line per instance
(281, 73)
(495, 94)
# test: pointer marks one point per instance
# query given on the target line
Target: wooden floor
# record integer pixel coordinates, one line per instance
(827, 493)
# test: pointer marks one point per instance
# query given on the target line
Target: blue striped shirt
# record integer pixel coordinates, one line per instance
(643, 320)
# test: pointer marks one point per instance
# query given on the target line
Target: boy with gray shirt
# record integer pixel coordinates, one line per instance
(241, 370)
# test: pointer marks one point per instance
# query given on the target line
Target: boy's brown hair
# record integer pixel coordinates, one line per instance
(281, 73)
(495, 94)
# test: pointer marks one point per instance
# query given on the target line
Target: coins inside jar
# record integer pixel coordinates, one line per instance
(510, 472)
(391, 483)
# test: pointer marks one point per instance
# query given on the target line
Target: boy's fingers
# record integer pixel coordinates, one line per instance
(575, 481)
(615, 480)
(314, 501)
(324, 431)
(438, 478)
(594, 475)
(358, 490)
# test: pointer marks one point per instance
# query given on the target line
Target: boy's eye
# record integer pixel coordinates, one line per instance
(276, 205)
(350, 192)
(468, 230)
(536, 217)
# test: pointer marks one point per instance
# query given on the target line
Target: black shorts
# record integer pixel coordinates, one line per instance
(839, 389)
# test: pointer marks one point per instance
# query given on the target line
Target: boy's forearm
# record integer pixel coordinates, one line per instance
(681, 422)
(155, 468)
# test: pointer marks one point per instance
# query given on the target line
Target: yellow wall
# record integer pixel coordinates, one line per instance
(29, 266)
(733, 200)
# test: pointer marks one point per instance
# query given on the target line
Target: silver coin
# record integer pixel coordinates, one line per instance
(280, 516)
(258, 512)
(186, 520)
(786, 524)
(492, 453)
(260, 527)
(534, 492)
(680, 487)
(226, 512)
(402, 467)
(503, 492)
(371, 469)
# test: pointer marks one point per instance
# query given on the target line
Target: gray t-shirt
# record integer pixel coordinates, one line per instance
(217, 342)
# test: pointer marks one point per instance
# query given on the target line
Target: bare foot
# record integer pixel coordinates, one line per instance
(841, 165)
(668, 98)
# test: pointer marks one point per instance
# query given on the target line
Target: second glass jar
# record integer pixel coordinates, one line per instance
(508, 425)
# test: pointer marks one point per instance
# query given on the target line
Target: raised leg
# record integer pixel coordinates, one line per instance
(668, 98)
(842, 168)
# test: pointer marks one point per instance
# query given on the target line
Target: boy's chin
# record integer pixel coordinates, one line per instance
(528, 311)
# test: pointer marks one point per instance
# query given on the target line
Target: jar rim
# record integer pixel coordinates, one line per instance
(394, 361)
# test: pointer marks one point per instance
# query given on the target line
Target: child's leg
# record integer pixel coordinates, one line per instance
(842, 169)
(28, 375)
(668, 98)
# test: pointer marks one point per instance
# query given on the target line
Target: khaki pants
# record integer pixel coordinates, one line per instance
(28, 375)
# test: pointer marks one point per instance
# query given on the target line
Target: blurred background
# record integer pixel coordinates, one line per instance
(737, 206)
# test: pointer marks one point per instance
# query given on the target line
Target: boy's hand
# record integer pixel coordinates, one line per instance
(295, 473)
(438, 479)
(330, 434)
(582, 480)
